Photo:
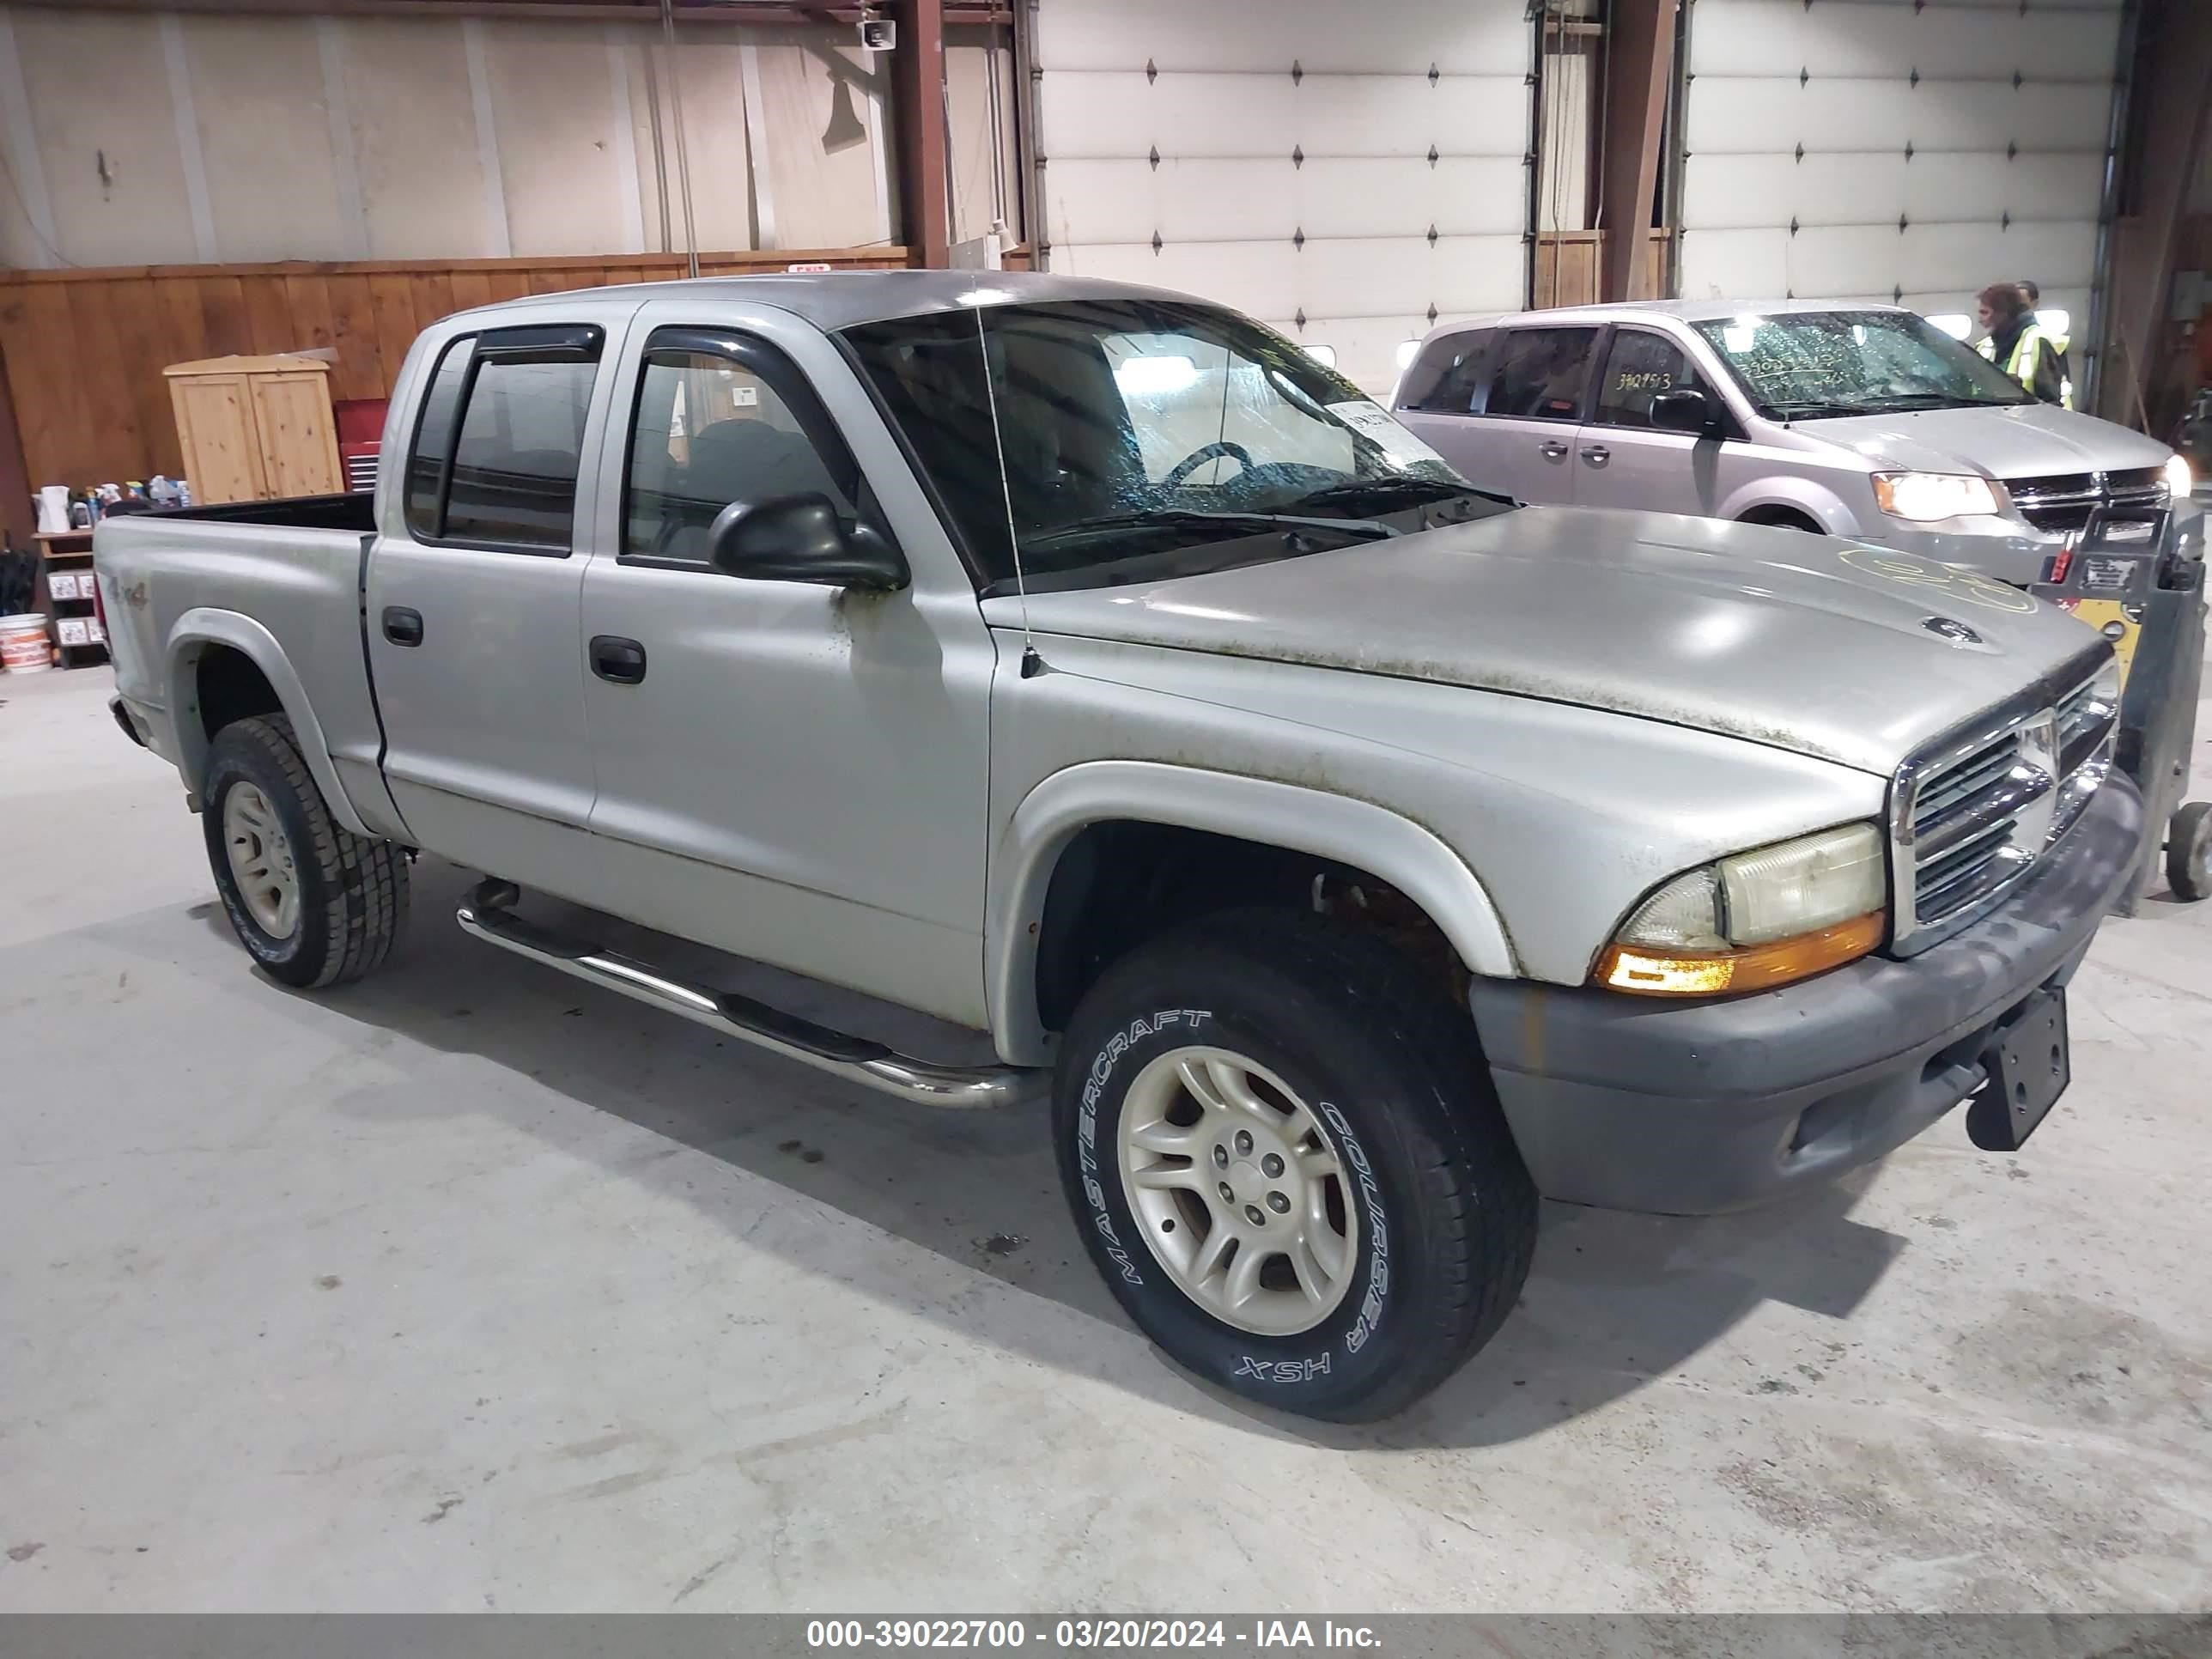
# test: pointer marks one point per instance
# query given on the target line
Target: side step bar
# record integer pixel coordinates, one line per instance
(857, 1059)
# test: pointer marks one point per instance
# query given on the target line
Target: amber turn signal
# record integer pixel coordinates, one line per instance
(1755, 968)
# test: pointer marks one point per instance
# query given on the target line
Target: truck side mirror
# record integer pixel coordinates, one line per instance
(1684, 410)
(802, 538)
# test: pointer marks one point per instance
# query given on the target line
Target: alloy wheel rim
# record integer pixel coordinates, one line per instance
(261, 863)
(1239, 1191)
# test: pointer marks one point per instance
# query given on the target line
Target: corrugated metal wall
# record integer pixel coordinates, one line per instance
(1348, 173)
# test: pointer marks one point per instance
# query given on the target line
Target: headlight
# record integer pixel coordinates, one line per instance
(1758, 918)
(1925, 497)
(2179, 480)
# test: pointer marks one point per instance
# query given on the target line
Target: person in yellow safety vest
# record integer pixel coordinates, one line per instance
(2061, 343)
(2017, 345)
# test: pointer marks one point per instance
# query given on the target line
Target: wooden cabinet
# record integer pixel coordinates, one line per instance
(254, 428)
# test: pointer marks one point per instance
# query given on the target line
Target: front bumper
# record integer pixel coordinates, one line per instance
(1688, 1109)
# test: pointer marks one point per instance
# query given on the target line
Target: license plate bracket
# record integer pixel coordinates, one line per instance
(2030, 1062)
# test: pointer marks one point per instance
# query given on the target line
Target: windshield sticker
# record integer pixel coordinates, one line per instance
(1969, 585)
(1372, 421)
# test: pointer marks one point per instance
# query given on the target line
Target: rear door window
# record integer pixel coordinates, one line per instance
(501, 440)
(1540, 374)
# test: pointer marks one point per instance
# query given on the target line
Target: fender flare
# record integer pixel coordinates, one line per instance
(1357, 832)
(204, 626)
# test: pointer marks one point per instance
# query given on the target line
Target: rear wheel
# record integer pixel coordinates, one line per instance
(312, 902)
(1281, 1144)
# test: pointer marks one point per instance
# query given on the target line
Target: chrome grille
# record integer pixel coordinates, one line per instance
(2061, 504)
(1970, 814)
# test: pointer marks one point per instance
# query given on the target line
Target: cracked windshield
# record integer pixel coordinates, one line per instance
(1146, 439)
(1806, 364)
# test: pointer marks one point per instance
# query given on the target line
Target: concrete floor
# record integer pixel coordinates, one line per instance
(470, 1287)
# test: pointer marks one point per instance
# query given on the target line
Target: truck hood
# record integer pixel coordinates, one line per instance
(1772, 635)
(2019, 440)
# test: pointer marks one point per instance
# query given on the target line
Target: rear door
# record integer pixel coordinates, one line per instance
(1621, 459)
(1509, 416)
(473, 596)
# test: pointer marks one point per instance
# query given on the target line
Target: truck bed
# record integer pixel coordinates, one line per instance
(276, 581)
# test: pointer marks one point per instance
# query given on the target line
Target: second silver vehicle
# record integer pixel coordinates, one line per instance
(1861, 421)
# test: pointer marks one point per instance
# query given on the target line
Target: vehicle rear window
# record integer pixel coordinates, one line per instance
(1541, 373)
(1445, 378)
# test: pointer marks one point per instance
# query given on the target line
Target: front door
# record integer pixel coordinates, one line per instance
(1621, 459)
(788, 771)
(472, 608)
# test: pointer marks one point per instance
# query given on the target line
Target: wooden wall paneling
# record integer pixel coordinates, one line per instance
(269, 311)
(472, 287)
(134, 303)
(222, 306)
(307, 296)
(361, 371)
(94, 339)
(434, 297)
(50, 413)
(85, 347)
(184, 324)
(392, 300)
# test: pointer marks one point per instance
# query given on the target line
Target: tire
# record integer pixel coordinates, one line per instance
(2189, 851)
(1427, 1181)
(349, 894)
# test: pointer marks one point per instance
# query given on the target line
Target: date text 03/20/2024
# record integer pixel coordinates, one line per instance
(1109, 1634)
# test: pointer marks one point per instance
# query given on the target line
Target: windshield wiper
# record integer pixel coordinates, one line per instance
(1792, 410)
(1410, 492)
(1181, 518)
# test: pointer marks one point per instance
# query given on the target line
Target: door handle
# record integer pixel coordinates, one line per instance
(618, 660)
(402, 626)
(1551, 449)
(1597, 454)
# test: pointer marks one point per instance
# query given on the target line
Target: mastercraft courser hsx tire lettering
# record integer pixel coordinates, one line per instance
(1352, 855)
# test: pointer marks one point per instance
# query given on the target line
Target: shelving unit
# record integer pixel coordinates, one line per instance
(74, 621)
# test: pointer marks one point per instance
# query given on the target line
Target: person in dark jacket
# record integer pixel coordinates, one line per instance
(2017, 345)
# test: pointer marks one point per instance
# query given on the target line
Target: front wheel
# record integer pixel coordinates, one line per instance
(2189, 851)
(1281, 1147)
(311, 902)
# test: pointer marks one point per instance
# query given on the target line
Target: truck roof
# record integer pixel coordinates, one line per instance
(839, 298)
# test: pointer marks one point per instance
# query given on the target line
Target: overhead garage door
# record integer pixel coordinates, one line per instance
(1349, 174)
(1905, 150)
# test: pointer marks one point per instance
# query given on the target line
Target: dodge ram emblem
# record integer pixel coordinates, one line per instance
(1951, 629)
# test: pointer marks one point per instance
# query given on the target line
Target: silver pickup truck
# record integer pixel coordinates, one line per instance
(1353, 856)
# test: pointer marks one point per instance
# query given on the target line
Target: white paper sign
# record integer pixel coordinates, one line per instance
(1372, 421)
